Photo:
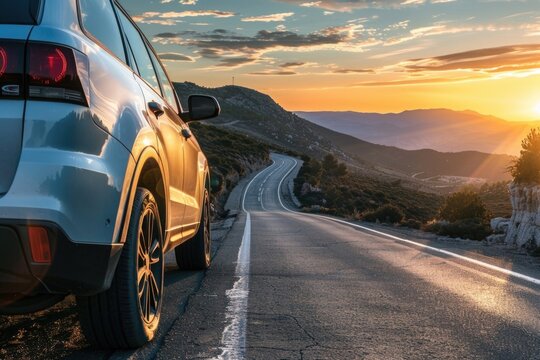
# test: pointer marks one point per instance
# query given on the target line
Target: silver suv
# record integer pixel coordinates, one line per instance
(100, 175)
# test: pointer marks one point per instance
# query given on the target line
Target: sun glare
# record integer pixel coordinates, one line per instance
(537, 109)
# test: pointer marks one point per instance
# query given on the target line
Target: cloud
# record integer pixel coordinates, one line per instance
(472, 65)
(531, 29)
(167, 18)
(353, 71)
(413, 2)
(441, 29)
(175, 57)
(274, 73)
(233, 49)
(164, 22)
(196, 13)
(488, 60)
(419, 81)
(234, 62)
(187, 2)
(268, 18)
(311, 4)
(292, 64)
(349, 5)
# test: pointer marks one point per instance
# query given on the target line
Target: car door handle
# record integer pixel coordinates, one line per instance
(186, 133)
(156, 108)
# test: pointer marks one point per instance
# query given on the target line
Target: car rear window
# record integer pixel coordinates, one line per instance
(22, 12)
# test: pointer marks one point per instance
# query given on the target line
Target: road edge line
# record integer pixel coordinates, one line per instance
(495, 268)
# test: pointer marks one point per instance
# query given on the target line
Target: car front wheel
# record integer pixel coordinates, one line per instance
(195, 254)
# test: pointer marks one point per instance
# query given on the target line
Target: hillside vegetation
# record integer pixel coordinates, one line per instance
(526, 169)
(327, 187)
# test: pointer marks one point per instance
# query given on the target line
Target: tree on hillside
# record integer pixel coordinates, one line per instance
(464, 215)
(463, 205)
(332, 168)
(526, 169)
(310, 172)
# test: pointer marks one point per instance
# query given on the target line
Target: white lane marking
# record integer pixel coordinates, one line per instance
(261, 189)
(233, 339)
(410, 242)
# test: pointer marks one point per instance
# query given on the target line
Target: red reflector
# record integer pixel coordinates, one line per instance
(39, 245)
(3, 61)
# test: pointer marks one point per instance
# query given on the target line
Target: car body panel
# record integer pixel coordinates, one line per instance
(194, 183)
(11, 117)
(10, 140)
(75, 169)
(65, 155)
(15, 32)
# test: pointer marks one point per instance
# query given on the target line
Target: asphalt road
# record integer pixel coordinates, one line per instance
(286, 285)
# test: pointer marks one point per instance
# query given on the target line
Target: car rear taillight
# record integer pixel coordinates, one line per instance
(51, 73)
(11, 69)
(57, 73)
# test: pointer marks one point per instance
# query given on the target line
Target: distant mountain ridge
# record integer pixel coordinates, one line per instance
(256, 114)
(438, 129)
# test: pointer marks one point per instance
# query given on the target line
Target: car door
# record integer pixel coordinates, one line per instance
(163, 117)
(194, 166)
(193, 159)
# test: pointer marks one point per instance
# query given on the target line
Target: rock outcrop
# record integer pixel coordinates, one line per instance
(523, 228)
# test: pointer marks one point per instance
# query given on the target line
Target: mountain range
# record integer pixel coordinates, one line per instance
(258, 115)
(437, 129)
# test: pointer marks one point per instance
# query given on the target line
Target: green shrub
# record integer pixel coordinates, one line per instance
(463, 215)
(463, 205)
(526, 169)
(388, 214)
(412, 224)
(472, 229)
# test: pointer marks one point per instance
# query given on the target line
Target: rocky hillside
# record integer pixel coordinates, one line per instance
(257, 115)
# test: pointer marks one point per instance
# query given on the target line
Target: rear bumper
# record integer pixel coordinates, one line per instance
(81, 269)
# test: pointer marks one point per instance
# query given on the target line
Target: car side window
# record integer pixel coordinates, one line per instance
(168, 92)
(142, 58)
(99, 20)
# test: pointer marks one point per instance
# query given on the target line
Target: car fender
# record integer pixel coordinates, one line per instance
(145, 154)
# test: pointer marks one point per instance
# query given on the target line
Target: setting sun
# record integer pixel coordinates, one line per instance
(537, 109)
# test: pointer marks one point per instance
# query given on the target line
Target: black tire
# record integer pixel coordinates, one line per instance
(195, 254)
(127, 315)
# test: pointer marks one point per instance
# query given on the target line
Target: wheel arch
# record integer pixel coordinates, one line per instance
(152, 175)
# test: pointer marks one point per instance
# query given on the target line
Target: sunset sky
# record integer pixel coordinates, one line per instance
(361, 55)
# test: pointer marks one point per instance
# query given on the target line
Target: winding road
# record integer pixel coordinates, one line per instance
(286, 285)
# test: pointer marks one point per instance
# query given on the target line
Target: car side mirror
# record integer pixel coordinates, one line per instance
(202, 107)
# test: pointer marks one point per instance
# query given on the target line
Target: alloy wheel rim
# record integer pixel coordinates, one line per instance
(149, 266)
